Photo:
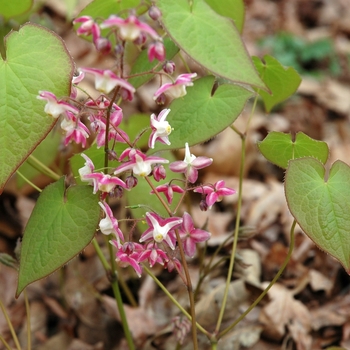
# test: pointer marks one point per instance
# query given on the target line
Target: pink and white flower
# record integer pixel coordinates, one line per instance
(55, 107)
(190, 165)
(154, 255)
(130, 28)
(87, 169)
(75, 129)
(129, 254)
(156, 50)
(88, 27)
(161, 129)
(169, 190)
(106, 80)
(214, 193)
(161, 229)
(139, 163)
(178, 88)
(104, 182)
(109, 225)
(190, 235)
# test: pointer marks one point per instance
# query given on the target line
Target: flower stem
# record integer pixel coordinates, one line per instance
(28, 181)
(257, 300)
(29, 334)
(42, 168)
(13, 333)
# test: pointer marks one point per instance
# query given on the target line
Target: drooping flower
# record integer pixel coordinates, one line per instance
(159, 172)
(106, 80)
(190, 235)
(75, 129)
(88, 27)
(190, 165)
(55, 107)
(176, 89)
(75, 81)
(88, 168)
(104, 182)
(129, 254)
(161, 129)
(139, 163)
(130, 28)
(109, 225)
(154, 255)
(161, 229)
(169, 190)
(156, 50)
(214, 193)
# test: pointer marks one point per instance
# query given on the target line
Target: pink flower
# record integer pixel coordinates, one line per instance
(215, 193)
(190, 236)
(156, 50)
(88, 27)
(176, 89)
(55, 107)
(109, 224)
(159, 172)
(190, 165)
(129, 254)
(161, 229)
(104, 182)
(88, 168)
(169, 190)
(154, 255)
(161, 129)
(75, 81)
(106, 80)
(75, 129)
(139, 163)
(130, 28)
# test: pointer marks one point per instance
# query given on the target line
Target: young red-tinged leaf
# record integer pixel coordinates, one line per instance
(209, 39)
(62, 224)
(321, 206)
(200, 115)
(279, 148)
(36, 59)
(282, 81)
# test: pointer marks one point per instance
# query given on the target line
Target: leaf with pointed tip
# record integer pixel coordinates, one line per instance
(62, 224)
(233, 9)
(282, 81)
(200, 115)
(321, 207)
(279, 148)
(36, 59)
(209, 39)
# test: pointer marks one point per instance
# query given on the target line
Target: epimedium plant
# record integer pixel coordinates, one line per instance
(39, 88)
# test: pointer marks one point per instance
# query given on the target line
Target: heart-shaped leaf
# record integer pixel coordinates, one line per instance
(200, 115)
(209, 39)
(36, 59)
(62, 224)
(279, 148)
(321, 207)
(282, 81)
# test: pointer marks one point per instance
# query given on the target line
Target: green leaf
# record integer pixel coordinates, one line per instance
(282, 81)
(62, 224)
(142, 64)
(209, 39)
(321, 207)
(9, 9)
(199, 115)
(279, 148)
(233, 9)
(37, 59)
(46, 153)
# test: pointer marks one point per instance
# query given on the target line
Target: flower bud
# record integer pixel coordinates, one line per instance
(159, 173)
(141, 39)
(154, 12)
(118, 49)
(160, 100)
(103, 45)
(112, 155)
(169, 67)
(131, 182)
(203, 206)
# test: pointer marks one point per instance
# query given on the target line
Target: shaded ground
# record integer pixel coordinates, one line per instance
(309, 307)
